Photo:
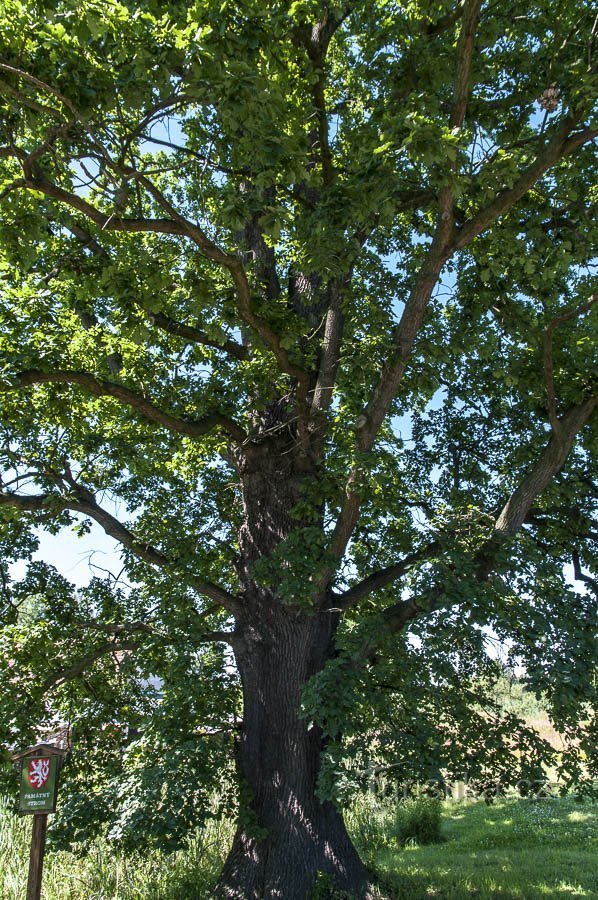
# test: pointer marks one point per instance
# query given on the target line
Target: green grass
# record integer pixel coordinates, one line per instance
(102, 874)
(513, 849)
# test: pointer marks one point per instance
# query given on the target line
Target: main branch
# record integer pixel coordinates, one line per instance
(548, 358)
(383, 577)
(508, 522)
(83, 501)
(550, 462)
(446, 241)
(151, 412)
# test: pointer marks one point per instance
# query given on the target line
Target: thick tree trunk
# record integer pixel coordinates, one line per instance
(285, 835)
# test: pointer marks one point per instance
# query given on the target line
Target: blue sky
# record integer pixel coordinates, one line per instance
(77, 558)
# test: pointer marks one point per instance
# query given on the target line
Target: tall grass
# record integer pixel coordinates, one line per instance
(100, 873)
(383, 824)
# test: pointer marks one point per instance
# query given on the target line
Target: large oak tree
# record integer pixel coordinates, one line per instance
(296, 307)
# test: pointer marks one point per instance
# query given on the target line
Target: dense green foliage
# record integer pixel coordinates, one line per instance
(359, 235)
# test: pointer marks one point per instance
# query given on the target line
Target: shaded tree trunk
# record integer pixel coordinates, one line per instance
(285, 835)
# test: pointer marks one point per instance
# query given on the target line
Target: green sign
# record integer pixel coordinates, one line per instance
(39, 781)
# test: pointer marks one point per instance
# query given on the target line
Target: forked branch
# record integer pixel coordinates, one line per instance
(562, 143)
(161, 320)
(176, 223)
(510, 519)
(68, 673)
(384, 577)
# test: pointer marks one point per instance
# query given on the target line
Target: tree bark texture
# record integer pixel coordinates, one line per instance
(285, 834)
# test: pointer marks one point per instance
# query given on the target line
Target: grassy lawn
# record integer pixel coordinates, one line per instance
(515, 848)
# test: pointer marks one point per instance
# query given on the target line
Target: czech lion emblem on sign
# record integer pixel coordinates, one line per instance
(38, 772)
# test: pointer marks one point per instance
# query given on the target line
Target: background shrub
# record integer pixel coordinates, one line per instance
(418, 821)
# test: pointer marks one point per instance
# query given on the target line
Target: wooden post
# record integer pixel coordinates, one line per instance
(36, 856)
(39, 773)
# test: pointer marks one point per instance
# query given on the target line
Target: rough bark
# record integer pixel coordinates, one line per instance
(285, 834)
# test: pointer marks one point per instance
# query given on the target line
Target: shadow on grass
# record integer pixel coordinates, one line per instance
(516, 849)
(487, 875)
